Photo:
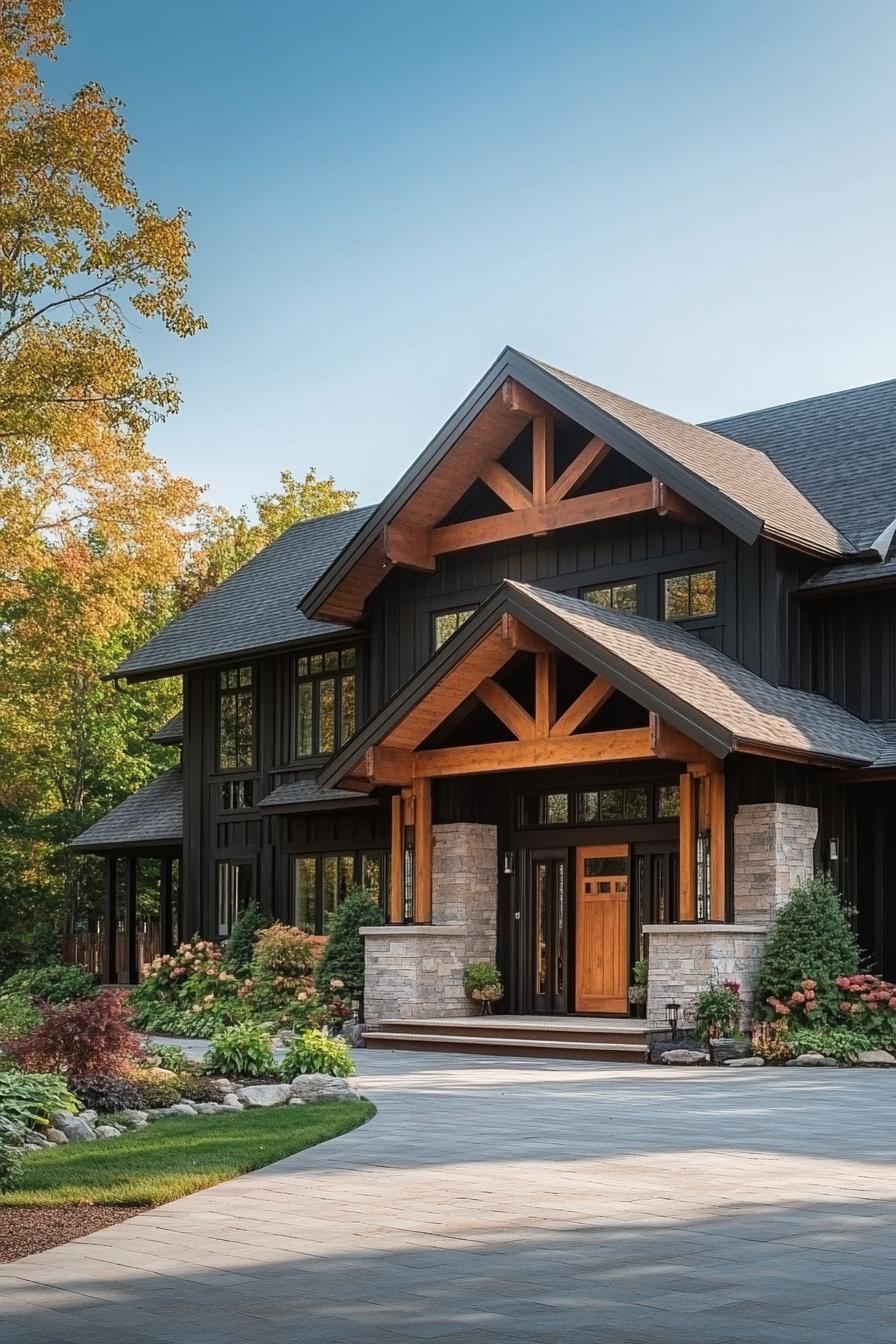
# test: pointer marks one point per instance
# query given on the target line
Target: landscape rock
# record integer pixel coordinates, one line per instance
(179, 1108)
(750, 1062)
(296, 1101)
(136, 1119)
(107, 1132)
(321, 1087)
(684, 1057)
(223, 1086)
(812, 1060)
(90, 1116)
(39, 1141)
(209, 1107)
(232, 1102)
(881, 1059)
(265, 1094)
(75, 1128)
(55, 1135)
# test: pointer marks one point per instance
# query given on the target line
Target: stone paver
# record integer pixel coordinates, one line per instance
(496, 1200)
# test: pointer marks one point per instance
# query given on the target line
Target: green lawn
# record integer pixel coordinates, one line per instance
(177, 1156)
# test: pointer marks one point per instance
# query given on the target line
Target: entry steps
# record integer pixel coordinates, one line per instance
(616, 1039)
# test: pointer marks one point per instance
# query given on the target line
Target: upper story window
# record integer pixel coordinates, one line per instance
(688, 595)
(236, 719)
(237, 794)
(614, 596)
(447, 623)
(326, 701)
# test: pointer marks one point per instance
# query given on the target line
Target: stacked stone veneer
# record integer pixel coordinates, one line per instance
(416, 970)
(773, 852)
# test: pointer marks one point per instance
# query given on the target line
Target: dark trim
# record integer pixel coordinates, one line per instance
(349, 634)
(324, 805)
(110, 968)
(147, 848)
(131, 921)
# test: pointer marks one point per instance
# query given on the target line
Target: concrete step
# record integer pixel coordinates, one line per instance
(493, 1028)
(596, 1048)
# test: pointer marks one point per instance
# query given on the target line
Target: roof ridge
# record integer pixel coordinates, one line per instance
(799, 401)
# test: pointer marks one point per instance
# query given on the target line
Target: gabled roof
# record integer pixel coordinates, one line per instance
(255, 608)
(838, 449)
(172, 732)
(153, 817)
(711, 698)
(735, 483)
(866, 574)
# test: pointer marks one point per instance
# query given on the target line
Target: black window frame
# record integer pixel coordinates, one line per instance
(612, 585)
(466, 610)
(232, 788)
(574, 818)
(691, 574)
(235, 691)
(305, 675)
(319, 857)
(233, 861)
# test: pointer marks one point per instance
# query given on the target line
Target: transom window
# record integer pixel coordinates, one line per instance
(447, 623)
(235, 881)
(237, 794)
(326, 701)
(614, 596)
(236, 713)
(689, 595)
(320, 883)
(605, 806)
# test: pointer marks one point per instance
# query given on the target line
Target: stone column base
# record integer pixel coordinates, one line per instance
(415, 970)
(685, 958)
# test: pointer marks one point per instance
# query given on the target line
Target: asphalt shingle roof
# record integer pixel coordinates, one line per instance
(256, 607)
(681, 667)
(171, 732)
(308, 793)
(838, 449)
(154, 815)
(743, 472)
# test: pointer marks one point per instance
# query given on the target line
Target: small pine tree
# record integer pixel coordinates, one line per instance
(343, 957)
(810, 938)
(240, 945)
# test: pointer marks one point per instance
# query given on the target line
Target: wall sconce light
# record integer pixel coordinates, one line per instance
(833, 849)
(672, 1011)
(508, 862)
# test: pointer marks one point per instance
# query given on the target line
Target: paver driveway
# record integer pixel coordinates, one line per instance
(512, 1200)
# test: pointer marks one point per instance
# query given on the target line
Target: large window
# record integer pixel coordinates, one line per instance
(689, 595)
(235, 883)
(447, 623)
(614, 596)
(600, 807)
(320, 882)
(326, 701)
(236, 714)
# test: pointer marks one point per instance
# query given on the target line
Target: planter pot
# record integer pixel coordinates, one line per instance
(486, 997)
(727, 1047)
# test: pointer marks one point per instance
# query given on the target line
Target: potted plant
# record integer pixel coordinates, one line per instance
(637, 990)
(482, 982)
(717, 1014)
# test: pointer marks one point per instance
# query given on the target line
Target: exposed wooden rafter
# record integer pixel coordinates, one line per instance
(595, 694)
(669, 504)
(504, 707)
(545, 693)
(671, 745)
(582, 466)
(506, 486)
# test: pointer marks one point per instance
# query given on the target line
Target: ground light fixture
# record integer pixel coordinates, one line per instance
(672, 1011)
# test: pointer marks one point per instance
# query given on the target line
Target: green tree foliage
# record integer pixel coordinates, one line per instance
(343, 956)
(240, 946)
(809, 939)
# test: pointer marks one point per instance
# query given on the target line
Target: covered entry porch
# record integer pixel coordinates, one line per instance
(561, 801)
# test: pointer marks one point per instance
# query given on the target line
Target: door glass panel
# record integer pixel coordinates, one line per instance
(614, 866)
(541, 928)
(560, 907)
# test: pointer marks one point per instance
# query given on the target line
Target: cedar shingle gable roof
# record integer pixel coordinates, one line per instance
(256, 608)
(153, 816)
(307, 795)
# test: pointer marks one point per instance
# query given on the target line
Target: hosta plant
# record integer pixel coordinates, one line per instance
(52, 984)
(843, 1043)
(31, 1098)
(243, 1050)
(313, 1052)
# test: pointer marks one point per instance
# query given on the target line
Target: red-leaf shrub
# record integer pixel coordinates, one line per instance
(82, 1038)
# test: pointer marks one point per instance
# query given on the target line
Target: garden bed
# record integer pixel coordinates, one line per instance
(25, 1231)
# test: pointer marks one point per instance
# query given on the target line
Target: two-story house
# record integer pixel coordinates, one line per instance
(590, 682)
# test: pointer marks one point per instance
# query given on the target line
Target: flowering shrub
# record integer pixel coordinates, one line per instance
(806, 1003)
(81, 1038)
(314, 1052)
(189, 992)
(283, 950)
(868, 1003)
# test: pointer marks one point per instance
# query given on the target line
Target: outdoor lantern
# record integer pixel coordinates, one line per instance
(833, 849)
(672, 1011)
(508, 863)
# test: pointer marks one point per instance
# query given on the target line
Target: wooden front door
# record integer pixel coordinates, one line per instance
(602, 929)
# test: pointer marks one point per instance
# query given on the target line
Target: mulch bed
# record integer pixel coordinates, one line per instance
(26, 1230)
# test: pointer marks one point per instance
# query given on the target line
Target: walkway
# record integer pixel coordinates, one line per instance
(496, 1200)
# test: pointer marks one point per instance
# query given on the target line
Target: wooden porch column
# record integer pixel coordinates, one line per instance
(131, 921)
(714, 785)
(110, 967)
(166, 911)
(687, 848)
(423, 851)
(396, 862)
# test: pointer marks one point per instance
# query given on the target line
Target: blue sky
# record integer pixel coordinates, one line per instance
(691, 203)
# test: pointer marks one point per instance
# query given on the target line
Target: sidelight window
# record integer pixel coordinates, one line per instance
(326, 701)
